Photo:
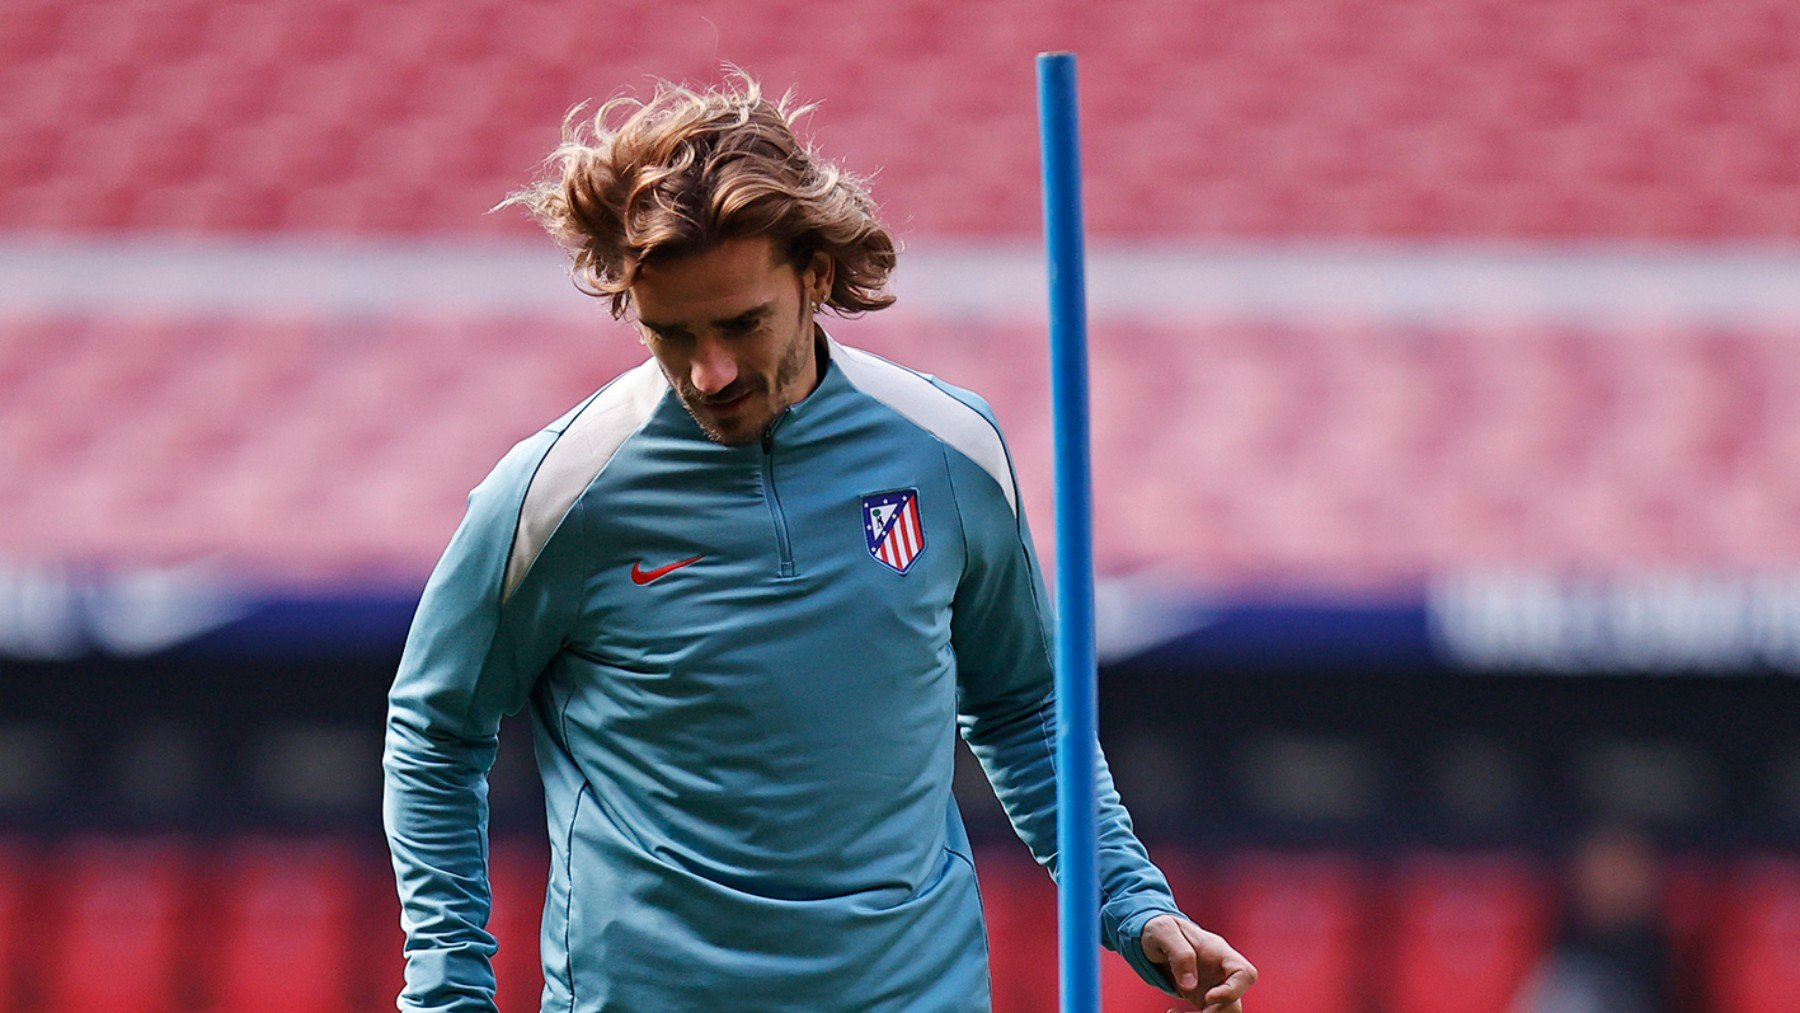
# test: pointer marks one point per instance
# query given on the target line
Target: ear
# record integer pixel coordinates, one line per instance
(817, 277)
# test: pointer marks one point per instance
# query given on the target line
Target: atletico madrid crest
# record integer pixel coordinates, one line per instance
(895, 532)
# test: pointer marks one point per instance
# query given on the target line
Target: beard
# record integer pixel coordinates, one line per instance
(773, 398)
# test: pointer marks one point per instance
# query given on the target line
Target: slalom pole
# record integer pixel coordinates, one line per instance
(1077, 808)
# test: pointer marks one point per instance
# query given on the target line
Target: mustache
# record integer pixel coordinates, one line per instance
(725, 396)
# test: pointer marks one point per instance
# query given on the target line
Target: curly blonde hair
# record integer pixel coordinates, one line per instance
(689, 169)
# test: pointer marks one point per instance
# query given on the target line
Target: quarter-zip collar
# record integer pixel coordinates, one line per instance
(831, 384)
(822, 345)
(771, 489)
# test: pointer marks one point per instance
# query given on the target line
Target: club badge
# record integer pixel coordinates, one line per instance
(896, 534)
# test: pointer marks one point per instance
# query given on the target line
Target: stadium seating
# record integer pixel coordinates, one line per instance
(1348, 453)
(16, 865)
(1502, 118)
(118, 927)
(1754, 964)
(1302, 918)
(519, 873)
(1360, 456)
(296, 925)
(1019, 902)
(284, 932)
(1466, 932)
(377, 971)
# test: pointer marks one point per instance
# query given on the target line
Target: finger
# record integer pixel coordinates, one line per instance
(1154, 948)
(1227, 967)
(1234, 1006)
(1207, 946)
(1234, 986)
(1184, 966)
(1210, 945)
(1166, 944)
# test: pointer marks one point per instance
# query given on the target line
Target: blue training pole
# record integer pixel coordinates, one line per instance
(1078, 910)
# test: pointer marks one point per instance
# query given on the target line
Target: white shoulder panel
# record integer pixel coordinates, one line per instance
(932, 410)
(576, 458)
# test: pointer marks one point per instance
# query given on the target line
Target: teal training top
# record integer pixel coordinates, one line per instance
(744, 666)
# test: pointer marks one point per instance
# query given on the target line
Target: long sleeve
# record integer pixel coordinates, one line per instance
(1001, 633)
(469, 660)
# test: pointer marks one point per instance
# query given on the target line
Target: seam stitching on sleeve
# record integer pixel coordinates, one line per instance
(962, 524)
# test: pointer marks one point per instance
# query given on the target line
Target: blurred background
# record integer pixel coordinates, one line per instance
(1446, 353)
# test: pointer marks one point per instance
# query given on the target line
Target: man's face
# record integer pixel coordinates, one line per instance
(732, 328)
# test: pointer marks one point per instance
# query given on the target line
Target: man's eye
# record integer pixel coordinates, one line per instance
(740, 326)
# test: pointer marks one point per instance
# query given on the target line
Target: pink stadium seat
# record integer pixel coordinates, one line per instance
(1373, 119)
(1466, 931)
(118, 926)
(1345, 455)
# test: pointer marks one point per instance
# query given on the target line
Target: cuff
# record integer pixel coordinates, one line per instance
(453, 979)
(1131, 946)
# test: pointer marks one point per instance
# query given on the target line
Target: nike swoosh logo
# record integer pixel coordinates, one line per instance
(642, 576)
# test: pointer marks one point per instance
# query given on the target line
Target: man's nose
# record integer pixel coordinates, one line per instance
(712, 369)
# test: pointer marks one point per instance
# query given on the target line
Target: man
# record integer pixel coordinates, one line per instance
(748, 590)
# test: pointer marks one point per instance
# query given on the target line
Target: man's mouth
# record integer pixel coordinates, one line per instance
(727, 404)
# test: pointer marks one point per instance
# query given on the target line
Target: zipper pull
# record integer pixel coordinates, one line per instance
(768, 439)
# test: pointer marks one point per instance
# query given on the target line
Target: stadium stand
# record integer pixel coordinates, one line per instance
(284, 915)
(520, 874)
(1350, 118)
(15, 917)
(1302, 916)
(1352, 456)
(1754, 961)
(291, 926)
(1467, 931)
(118, 915)
(1020, 908)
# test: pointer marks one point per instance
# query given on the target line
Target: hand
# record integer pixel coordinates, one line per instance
(1206, 970)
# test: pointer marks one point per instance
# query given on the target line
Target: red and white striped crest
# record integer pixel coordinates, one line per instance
(895, 531)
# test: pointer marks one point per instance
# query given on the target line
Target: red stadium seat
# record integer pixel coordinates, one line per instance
(16, 918)
(1019, 903)
(283, 937)
(519, 873)
(1300, 920)
(1466, 932)
(1754, 969)
(1693, 902)
(118, 926)
(381, 942)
